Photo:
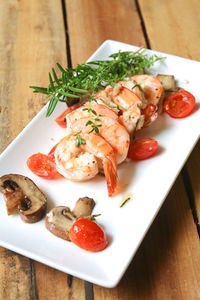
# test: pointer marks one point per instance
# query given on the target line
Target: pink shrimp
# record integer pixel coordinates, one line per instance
(111, 130)
(82, 162)
(89, 109)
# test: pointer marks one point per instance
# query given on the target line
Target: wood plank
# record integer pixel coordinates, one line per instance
(15, 276)
(92, 22)
(52, 284)
(30, 45)
(32, 40)
(166, 265)
(193, 168)
(172, 26)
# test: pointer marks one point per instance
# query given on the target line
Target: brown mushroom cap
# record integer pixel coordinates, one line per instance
(59, 221)
(24, 197)
(84, 207)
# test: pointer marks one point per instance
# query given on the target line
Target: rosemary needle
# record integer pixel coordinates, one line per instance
(76, 84)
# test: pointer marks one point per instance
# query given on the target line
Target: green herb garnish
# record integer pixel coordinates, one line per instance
(125, 201)
(93, 217)
(75, 84)
(79, 140)
(95, 127)
(90, 110)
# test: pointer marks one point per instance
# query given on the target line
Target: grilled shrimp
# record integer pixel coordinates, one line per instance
(131, 109)
(80, 163)
(106, 97)
(124, 101)
(88, 110)
(137, 98)
(111, 130)
(151, 87)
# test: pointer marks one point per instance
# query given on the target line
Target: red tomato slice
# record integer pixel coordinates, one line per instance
(179, 104)
(42, 165)
(142, 148)
(87, 235)
(60, 120)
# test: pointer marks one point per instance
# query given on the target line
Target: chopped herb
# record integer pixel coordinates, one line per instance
(90, 110)
(93, 217)
(113, 105)
(95, 127)
(121, 108)
(125, 201)
(79, 140)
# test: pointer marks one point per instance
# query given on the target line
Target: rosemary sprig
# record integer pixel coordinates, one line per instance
(75, 84)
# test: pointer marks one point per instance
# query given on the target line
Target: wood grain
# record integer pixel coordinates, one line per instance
(32, 40)
(15, 276)
(52, 284)
(193, 168)
(31, 43)
(92, 22)
(173, 26)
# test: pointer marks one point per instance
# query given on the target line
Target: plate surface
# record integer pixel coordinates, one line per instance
(149, 181)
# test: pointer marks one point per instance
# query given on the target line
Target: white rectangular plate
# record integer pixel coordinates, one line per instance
(149, 181)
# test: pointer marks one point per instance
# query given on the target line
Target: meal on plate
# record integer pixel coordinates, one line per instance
(108, 102)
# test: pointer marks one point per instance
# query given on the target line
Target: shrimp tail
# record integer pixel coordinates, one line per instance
(110, 171)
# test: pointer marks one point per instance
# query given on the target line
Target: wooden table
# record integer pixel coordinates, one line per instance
(36, 34)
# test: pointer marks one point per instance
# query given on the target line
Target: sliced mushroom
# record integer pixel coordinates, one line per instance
(24, 197)
(84, 207)
(168, 82)
(60, 219)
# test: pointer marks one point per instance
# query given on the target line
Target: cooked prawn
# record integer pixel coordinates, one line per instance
(126, 102)
(111, 130)
(132, 97)
(151, 87)
(106, 97)
(101, 109)
(79, 163)
(87, 110)
(131, 112)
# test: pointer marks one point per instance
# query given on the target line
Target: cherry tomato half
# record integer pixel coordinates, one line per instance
(60, 120)
(179, 104)
(42, 165)
(88, 235)
(142, 148)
